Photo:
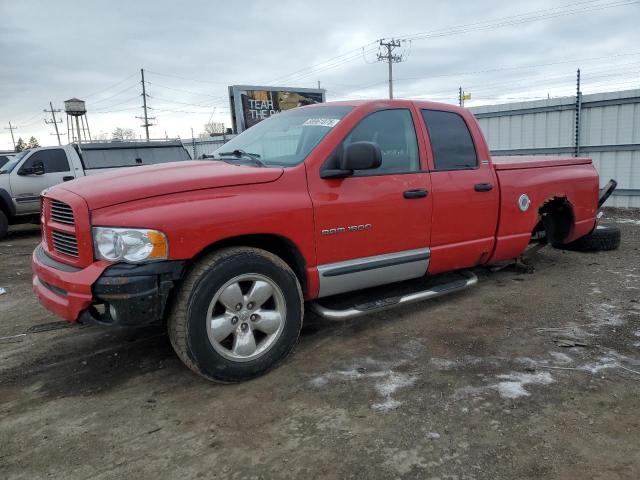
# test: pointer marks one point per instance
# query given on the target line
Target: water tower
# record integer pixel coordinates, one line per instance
(74, 107)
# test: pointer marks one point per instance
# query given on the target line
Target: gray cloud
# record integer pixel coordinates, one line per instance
(55, 50)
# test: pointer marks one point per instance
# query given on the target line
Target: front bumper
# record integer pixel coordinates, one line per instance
(104, 293)
(63, 289)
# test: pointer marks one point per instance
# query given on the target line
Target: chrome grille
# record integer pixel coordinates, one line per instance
(61, 212)
(65, 243)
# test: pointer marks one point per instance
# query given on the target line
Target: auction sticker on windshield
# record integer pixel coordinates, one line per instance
(322, 122)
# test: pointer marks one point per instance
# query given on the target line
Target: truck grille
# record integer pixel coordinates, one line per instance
(61, 212)
(65, 243)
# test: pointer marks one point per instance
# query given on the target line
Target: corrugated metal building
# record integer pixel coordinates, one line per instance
(603, 126)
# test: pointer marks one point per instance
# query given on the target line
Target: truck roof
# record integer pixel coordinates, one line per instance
(396, 102)
(114, 145)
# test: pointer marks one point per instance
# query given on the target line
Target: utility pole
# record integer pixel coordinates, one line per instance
(53, 120)
(11, 129)
(576, 148)
(390, 58)
(146, 117)
(193, 143)
(462, 96)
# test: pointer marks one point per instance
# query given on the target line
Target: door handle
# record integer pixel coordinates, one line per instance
(483, 187)
(67, 178)
(418, 193)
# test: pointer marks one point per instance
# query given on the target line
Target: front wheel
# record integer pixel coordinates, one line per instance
(4, 225)
(237, 315)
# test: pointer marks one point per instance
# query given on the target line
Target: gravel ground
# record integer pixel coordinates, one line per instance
(471, 386)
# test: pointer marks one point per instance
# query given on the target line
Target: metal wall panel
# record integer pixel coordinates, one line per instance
(609, 134)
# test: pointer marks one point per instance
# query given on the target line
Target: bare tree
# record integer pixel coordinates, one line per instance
(123, 134)
(101, 137)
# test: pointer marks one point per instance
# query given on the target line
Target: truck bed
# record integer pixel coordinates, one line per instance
(515, 162)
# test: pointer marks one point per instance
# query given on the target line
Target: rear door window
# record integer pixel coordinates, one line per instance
(451, 141)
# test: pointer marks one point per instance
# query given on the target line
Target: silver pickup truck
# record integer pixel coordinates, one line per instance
(27, 174)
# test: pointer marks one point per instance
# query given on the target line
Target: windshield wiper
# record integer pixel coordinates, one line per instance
(241, 153)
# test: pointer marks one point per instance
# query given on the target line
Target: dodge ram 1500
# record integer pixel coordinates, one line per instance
(295, 212)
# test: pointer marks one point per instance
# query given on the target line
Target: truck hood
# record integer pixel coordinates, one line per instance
(136, 183)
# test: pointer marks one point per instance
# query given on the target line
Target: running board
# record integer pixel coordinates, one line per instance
(469, 279)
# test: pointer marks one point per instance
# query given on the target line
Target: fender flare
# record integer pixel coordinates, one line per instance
(6, 203)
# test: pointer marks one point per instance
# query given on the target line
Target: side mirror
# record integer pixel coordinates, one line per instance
(361, 156)
(36, 169)
(356, 156)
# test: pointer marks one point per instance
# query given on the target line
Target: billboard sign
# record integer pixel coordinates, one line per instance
(252, 104)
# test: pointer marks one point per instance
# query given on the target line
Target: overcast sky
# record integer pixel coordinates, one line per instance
(192, 50)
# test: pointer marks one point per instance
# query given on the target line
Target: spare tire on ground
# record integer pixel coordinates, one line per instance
(604, 237)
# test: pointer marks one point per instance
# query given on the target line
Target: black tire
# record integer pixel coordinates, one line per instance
(4, 225)
(188, 316)
(603, 238)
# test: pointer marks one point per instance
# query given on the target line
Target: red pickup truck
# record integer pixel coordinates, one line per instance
(298, 210)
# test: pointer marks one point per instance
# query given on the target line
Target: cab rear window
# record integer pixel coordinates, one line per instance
(451, 141)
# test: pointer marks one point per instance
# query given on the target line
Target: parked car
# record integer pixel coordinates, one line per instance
(23, 177)
(305, 206)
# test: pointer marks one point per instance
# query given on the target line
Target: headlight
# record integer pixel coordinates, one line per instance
(132, 245)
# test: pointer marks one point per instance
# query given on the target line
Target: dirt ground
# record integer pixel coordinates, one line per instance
(470, 386)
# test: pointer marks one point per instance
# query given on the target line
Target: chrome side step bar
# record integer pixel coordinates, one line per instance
(469, 280)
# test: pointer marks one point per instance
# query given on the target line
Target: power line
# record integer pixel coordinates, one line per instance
(118, 110)
(130, 87)
(533, 16)
(191, 92)
(188, 103)
(117, 104)
(185, 78)
(329, 66)
(311, 69)
(110, 86)
(526, 17)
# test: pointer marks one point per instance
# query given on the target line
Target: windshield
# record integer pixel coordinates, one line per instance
(285, 139)
(11, 164)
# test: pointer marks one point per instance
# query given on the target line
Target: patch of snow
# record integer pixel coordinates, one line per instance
(561, 357)
(603, 363)
(388, 405)
(390, 385)
(629, 221)
(529, 362)
(443, 363)
(319, 382)
(605, 314)
(514, 386)
(386, 381)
